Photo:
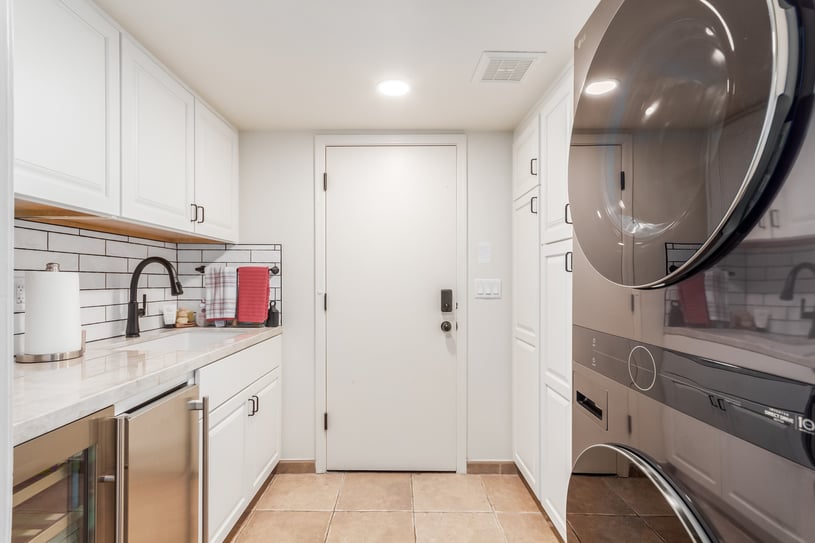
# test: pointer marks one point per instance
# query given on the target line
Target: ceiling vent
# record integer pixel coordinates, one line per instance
(505, 66)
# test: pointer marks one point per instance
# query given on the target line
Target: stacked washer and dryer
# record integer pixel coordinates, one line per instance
(692, 191)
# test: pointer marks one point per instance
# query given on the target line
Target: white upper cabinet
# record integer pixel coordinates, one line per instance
(66, 105)
(555, 137)
(216, 175)
(158, 131)
(525, 159)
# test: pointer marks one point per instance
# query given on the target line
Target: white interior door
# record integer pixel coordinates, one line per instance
(390, 225)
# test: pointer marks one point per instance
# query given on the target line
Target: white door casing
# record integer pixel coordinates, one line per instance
(391, 233)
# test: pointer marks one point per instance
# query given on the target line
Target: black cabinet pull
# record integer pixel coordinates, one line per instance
(774, 218)
(254, 406)
(195, 213)
(566, 209)
(568, 261)
(257, 402)
(532, 166)
(202, 214)
(532, 208)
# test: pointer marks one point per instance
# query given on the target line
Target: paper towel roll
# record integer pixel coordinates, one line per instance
(52, 322)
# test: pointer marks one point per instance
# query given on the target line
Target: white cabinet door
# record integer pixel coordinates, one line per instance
(227, 483)
(525, 409)
(556, 316)
(66, 105)
(526, 163)
(556, 457)
(555, 136)
(263, 431)
(556, 379)
(158, 123)
(526, 280)
(216, 175)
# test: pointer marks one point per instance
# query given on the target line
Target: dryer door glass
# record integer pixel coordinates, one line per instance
(617, 495)
(676, 123)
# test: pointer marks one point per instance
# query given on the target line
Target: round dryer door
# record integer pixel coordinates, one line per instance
(689, 117)
(617, 495)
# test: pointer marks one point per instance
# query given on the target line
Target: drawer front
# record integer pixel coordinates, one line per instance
(223, 379)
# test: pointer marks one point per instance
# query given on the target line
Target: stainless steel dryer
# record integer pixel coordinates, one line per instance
(692, 191)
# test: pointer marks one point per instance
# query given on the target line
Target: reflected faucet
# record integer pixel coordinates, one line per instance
(789, 288)
(133, 309)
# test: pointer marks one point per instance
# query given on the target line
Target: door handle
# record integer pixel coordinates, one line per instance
(195, 213)
(446, 326)
(257, 402)
(203, 215)
(532, 208)
(568, 261)
(532, 164)
(762, 223)
(566, 210)
(121, 490)
(254, 406)
(203, 406)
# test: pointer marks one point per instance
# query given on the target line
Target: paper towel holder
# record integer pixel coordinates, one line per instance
(51, 357)
(54, 357)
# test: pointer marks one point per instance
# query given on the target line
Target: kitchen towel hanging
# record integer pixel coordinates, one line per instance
(253, 294)
(220, 292)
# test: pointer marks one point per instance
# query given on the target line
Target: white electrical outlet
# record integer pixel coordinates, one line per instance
(19, 292)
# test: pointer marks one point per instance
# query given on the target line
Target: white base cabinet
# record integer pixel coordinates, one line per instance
(245, 421)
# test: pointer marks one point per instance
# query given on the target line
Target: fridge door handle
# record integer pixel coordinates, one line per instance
(121, 490)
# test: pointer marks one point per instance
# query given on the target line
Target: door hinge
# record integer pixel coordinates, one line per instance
(325, 302)
(325, 421)
(325, 181)
(622, 180)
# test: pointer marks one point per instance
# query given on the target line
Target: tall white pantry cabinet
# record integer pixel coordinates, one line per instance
(542, 300)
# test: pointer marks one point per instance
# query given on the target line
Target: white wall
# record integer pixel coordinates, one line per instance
(489, 176)
(277, 206)
(6, 307)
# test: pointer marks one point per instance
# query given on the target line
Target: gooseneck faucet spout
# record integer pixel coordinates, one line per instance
(133, 310)
(789, 288)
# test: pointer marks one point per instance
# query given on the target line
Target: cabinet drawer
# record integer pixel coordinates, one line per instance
(223, 379)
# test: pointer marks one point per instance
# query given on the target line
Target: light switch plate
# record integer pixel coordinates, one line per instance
(488, 289)
(19, 291)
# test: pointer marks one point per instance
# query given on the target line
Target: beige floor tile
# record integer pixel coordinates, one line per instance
(449, 492)
(302, 492)
(376, 492)
(371, 527)
(526, 528)
(285, 527)
(457, 528)
(507, 493)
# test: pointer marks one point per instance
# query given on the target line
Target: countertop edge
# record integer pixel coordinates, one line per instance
(44, 422)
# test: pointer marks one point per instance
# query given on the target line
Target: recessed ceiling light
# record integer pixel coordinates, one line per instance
(604, 86)
(652, 109)
(393, 87)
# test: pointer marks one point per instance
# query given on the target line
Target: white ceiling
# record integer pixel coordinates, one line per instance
(314, 64)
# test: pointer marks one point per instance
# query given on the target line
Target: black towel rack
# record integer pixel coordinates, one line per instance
(274, 270)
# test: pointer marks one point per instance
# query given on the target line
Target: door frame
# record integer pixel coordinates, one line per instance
(321, 143)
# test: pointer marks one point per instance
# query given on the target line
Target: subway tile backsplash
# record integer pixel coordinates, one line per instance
(756, 275)
(105, 263)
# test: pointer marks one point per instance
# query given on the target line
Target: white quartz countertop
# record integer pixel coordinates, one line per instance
(50, 395)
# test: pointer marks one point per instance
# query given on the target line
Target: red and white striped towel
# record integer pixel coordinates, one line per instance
(220, 292)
